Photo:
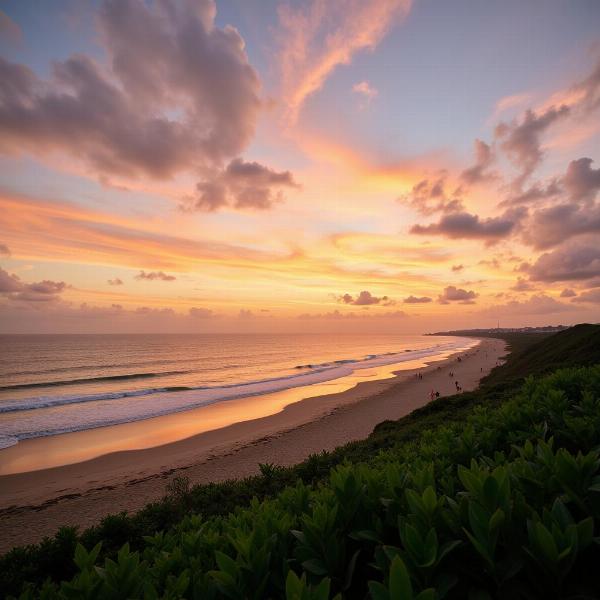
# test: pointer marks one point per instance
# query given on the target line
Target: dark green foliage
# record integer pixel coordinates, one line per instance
(578, 345)
(463, 498)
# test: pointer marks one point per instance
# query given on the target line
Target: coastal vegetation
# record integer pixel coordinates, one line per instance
(488, 494)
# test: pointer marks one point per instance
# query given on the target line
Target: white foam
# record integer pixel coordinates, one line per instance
(6, 441)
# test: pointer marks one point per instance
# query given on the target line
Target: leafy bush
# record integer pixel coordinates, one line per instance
(502, 504)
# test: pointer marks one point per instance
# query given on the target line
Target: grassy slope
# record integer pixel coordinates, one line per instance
(531, 355)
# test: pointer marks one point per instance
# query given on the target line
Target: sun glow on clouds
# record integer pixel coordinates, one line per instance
(211, 194)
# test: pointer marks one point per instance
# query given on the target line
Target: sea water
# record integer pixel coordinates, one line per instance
(53, 384)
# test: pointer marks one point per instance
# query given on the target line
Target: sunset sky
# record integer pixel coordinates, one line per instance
(318, 165)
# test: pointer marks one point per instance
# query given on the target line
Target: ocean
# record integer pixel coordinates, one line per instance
(53, 384)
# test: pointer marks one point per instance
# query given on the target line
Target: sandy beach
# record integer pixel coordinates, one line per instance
(35, 504)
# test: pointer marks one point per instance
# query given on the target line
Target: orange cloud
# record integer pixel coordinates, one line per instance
(41, 229)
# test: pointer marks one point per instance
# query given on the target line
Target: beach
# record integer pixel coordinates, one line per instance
(35, 504)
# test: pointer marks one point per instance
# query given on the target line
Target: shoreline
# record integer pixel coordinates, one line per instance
(177, 423)
(112, 408)
(36, 503)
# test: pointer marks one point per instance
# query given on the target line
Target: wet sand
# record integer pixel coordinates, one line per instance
(35, 504)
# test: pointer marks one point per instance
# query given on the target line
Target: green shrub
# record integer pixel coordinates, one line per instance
(505, 504)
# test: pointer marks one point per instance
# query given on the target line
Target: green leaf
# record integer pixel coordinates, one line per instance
(378, 591)
(80, 557)
(226, 563)
(412, 541)
(365, 534)
(585, 532)
(315, 566)
(496, 521)
(479, 547)
(294, 585)
(429, 499)
(430, 549)
(321, 592)
(546, 542)
(400, 586)
(350, 570)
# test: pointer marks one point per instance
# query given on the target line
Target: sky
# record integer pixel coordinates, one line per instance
(298, 166)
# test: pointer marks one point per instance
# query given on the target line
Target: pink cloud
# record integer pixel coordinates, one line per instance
(454, 294)
(318, 37)
(13, 288)
(538, 304)
(429, 196)
(155, 276)
(479, 172)
(365, 298)
(177, 95)
(241, 184)
(366, 90)
(463, 225)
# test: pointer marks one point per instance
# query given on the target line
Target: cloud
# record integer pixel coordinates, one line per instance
(581, 181)
(96, 312)
(453, 294)
(538, 304)
(522, 285)
(428, 197)
(534, 194)
(494, 263)
(47, 287)
(4, 250)
(46, 229)
(13, 288)
(115, 281)
(9, 283)
(201, 313)
(365, 89)
(365, 298)
(457, 268)
(478, 173)
(417, 300)
(575, 260)
(9, 30)
(150, 311)
(240, 184)
(586, 93)
(155, 275)
(592, 296)
(508, 102)
(319, 36)
(568, 293)
(177, 94)
(61, 317)
(464, 225)
(521, 141)
(551, 226)
(336, 315)
(246, 314)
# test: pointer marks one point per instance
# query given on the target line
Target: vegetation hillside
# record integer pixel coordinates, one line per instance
(578, 345)
(494, 493)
